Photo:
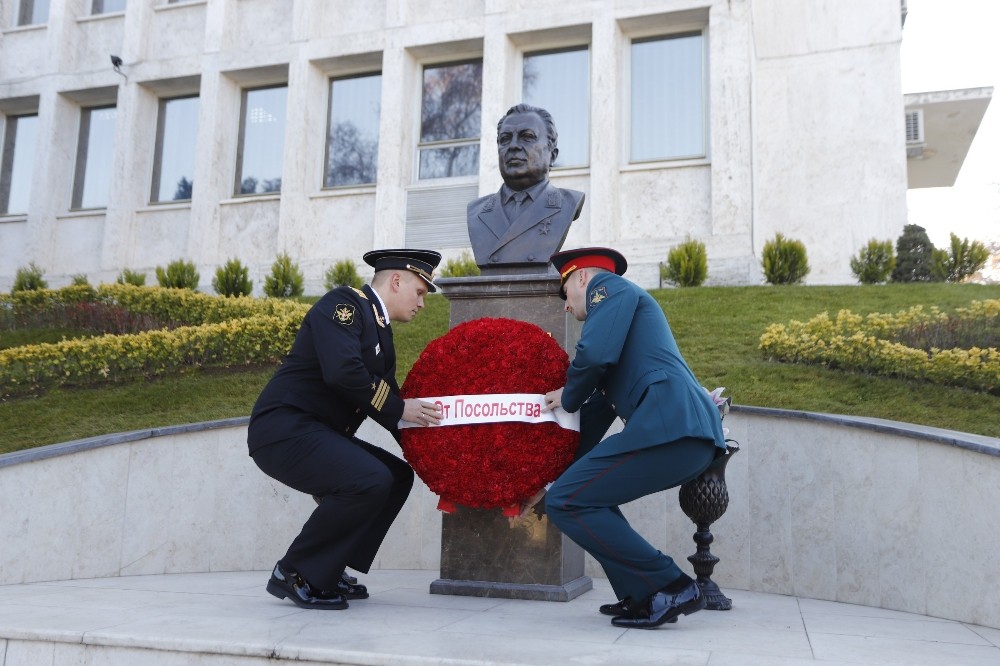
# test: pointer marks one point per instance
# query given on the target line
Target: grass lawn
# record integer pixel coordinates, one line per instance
(717, 329)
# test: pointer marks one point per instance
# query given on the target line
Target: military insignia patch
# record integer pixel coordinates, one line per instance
(598, 295)
(344, 314)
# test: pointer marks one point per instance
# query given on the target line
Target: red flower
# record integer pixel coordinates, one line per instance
(488, 465)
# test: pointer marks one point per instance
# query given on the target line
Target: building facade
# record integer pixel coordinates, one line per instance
(137, 133)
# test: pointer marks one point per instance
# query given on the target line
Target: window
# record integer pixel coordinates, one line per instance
(107, 6)
(451, 108)
(173, 160)
(668, 98)
(262, 141)
(33, 12)
(352, 131)
(94, 155)
(559, 82)
(17, 160)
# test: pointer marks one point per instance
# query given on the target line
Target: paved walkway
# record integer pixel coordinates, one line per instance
(228, 618)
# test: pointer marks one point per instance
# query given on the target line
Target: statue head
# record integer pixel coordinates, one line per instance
(527, 145)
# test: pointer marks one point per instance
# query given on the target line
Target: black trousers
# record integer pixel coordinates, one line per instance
(361, 489)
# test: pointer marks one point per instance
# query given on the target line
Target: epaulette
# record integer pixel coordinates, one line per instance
(360, 293)
(489, 203)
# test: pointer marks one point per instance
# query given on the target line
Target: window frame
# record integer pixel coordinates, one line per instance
(674, 32)
(8, 146)
(82, 150)
(331, 80)
(446, 143)
(26, 12)
(154, 182)
(241, 138)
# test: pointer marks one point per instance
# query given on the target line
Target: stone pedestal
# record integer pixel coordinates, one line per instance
(481, 554)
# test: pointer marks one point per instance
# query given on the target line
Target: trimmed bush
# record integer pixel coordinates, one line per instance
(464, 266)
(784, 261)
(178, 274)
(960, 262)
(134, 278)
(874, 262)
(343, 274)
(29, 279)
(687, 264)
(232, 279)
(285, 280)
(80, 280)
(914, 256)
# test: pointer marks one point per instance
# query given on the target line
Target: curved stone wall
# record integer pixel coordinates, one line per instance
(863, 511)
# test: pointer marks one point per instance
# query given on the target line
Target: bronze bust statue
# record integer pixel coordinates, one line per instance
(517, 229)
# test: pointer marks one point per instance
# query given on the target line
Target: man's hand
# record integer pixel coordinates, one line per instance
(527, 506)
(420, 412)
(553, 399)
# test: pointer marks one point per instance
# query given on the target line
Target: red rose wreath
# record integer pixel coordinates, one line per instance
(488, 465)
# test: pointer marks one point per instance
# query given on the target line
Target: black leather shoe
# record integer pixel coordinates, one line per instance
(346, 590)
(350, 580)
(622, 607)
(288, 584)
(662, 607)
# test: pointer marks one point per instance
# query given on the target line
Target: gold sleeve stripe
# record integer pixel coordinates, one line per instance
(381, 393)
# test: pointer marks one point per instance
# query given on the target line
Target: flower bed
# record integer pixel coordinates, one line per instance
(870, 344)
(488, 465)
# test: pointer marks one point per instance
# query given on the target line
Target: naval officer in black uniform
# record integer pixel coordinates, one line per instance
(340, 371)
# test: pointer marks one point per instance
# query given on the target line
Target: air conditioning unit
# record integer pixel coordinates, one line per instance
(915, 133)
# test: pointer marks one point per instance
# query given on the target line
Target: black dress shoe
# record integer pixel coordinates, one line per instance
(350, 580)
(662, 607)
(288, 584)
(622, 607)
(346, 590)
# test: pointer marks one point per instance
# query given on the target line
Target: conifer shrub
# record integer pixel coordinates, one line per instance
(80, 280)
(285, 280)
(178, 274)
(914, 256)
(874, 262)
(232, 279)
(344, 273)
(29, 278)
(134, 278)
(784, 261)
(464, 266)
(960, 261)
(687, 264)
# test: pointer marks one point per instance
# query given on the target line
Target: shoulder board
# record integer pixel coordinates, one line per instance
(360, 293)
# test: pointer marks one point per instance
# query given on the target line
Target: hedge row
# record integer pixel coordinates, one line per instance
(871, 344)
(219, 332)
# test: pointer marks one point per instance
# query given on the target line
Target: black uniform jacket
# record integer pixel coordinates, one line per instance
(340, 370)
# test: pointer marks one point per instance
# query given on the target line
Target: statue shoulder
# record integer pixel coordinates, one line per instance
(559, 197)
(482, 204)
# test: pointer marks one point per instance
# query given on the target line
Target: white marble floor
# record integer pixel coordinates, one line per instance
(227, 619)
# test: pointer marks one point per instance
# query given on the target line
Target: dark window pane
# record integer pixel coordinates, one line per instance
(452, 100)
(559, 82)
(33, 12)
(176, 133)
(668, 101)
(352, 133)
(262, 141)
(107, 6)
(17, 160)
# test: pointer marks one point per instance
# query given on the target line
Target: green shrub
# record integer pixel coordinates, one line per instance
(343, 274)
(134, 278)
(29, 279)
(687, 264)
(179, 274)
(784, 261)
(960, 262)
(80, 280)
(464, 266)
(874, 262)
(914, 256)
(285, 280)
(232, 279)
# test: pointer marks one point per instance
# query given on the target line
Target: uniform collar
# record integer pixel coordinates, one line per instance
(533, 192)
(381, 305)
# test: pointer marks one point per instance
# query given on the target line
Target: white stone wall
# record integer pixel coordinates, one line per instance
(805, 128)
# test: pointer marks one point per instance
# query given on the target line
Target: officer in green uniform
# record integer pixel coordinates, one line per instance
(627, 366)
(340, 371)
